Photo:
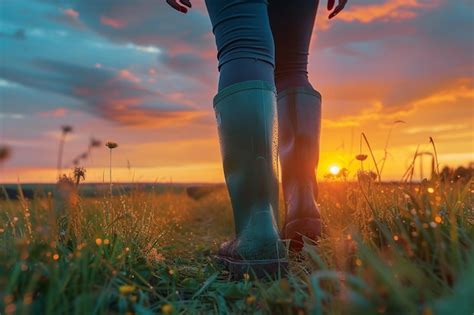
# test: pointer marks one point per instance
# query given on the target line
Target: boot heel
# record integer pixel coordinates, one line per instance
(296, 229)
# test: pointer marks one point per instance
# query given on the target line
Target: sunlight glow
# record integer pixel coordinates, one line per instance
(334, 169)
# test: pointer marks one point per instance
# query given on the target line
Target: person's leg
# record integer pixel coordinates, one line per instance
(292, 26)
(299, 117)
(245, 110)
(245, 69)
(245, 47)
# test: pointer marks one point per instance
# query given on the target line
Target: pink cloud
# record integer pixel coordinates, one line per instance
(58, 112)
(115, 23)
(71, 13)
(125, 74)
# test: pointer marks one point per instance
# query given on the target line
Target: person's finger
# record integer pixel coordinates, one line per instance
(186, 3)
(338, 9)
(330, 4)
(176, 6)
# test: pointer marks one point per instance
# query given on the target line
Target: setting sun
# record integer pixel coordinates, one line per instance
(334, 169)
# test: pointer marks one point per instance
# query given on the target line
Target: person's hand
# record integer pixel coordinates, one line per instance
(338, 8)
(180, 5)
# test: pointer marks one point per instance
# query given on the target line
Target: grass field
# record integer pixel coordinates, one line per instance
(386, 249)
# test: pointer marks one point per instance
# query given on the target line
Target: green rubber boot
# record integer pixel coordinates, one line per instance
(247, 125)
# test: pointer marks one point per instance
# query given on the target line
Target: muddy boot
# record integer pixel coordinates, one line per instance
(247, 126)
(299, 123)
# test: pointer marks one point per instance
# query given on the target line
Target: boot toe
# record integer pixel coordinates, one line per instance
(296, 229)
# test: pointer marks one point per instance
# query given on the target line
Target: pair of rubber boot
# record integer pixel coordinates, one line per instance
(253, 128)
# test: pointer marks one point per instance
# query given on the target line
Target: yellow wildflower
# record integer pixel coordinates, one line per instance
(126, 289)
(167, 309)
(250, 299)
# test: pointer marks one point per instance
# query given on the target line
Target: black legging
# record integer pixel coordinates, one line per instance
(263, 40)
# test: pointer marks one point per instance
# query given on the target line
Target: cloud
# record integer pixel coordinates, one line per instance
(19, 34)
(115, 23)
(146, 23)
(389, 10)
(58, 112)
(71, 13)
(129, 76)
(394, 62)
(451, 93)
(184, 42)
(116, 96)
(436, 128)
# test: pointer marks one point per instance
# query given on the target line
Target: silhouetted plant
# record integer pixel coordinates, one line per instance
(111, 146)
(64, 131)
(5, 153)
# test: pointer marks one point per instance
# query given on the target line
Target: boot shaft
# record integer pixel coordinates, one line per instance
(299, 121)
(248, 133)
(299, 114)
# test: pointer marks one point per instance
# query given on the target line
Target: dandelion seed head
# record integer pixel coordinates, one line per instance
(433, 224)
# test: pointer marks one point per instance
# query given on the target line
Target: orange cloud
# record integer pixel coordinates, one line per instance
(115, 23)
(390, 10)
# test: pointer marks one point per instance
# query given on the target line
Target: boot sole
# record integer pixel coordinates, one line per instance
(264, 268)
(296, 229)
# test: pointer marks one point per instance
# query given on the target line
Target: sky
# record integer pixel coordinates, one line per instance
(143, 75)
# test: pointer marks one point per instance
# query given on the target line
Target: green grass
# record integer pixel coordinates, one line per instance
(386, 248)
